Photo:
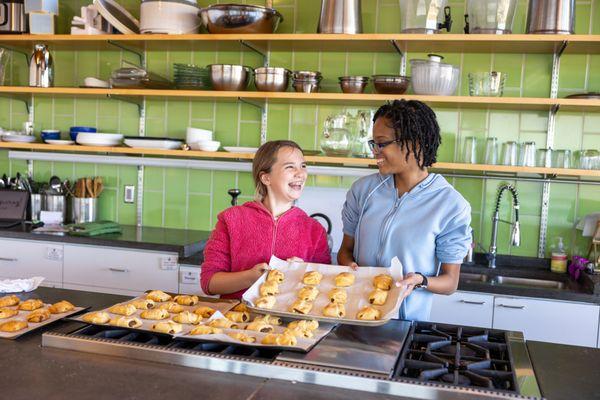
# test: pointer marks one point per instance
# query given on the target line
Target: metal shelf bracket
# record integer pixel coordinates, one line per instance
(138, 52)
(402, 56)
(140, 102)
(254, 49)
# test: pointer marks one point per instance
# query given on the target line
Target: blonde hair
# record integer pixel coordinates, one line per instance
(263, 162)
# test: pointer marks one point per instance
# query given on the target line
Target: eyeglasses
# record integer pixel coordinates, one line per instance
(377, 147)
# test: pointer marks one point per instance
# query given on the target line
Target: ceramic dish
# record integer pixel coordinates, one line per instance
(61, 142)
(99, 139)
(248, 150)
(206, 145)
(18, 138)
(165, 144)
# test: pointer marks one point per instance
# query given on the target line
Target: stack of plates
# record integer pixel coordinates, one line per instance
(189, 76)
(143, 142)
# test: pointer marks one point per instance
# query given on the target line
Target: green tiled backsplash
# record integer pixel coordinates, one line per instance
(182, 198)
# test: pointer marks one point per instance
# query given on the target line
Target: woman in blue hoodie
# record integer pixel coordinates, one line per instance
(406, 211)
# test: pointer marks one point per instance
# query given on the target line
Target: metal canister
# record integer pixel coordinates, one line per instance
(84, 209)
(551, 16)
(340, 16)
(55, 202)
(36, 206)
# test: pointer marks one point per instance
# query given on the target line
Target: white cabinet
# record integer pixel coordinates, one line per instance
(463, 308)
(113, 270)
(25, 259)
(548, 321)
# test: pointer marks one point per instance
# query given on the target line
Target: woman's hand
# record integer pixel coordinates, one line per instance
(258, 270)
(409, 282)
(295, 259)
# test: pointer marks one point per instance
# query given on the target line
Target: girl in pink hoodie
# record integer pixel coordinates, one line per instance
(246, 236)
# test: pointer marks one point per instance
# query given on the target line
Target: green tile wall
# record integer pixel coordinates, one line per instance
(192, 198)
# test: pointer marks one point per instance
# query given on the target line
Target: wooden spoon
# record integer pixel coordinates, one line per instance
(89, 187)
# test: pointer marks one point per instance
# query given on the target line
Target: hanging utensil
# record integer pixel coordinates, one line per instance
(55, 185)
(68, 188)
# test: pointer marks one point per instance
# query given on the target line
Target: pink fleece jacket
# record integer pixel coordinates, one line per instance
(247, 235)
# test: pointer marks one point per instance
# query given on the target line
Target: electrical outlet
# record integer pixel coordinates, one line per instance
(54, 253)
(129, 194)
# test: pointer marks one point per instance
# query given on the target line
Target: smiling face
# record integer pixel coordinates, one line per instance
(392, 158)
(288, 175)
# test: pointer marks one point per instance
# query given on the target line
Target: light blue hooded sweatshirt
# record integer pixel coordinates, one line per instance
(425, 227)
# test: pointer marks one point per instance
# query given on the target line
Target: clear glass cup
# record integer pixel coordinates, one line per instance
(589, 159)
(470, 150)
(510, 153)
(491, 151)
(543, 158)
(561, 159)
(527, 156)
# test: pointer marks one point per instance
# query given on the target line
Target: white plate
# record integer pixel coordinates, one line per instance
(153, 144)
(98, 143)
(99, 139)
(60, 142)
(18, 138)
(117, 16)
(249, 150)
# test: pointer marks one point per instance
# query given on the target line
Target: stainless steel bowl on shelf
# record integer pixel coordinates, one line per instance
(272, 79)
(390, 84)
(306, 85)
(353, 84)
(304, 75)
(229, 77)
(240, 18)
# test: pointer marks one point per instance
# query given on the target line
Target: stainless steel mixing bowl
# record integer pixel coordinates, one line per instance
(229, 77)
(271, 79)
(240, 18)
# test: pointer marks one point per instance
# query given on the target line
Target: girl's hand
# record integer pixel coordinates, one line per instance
(409, 282)
(295, 259)
(353, 265)
(258, 270)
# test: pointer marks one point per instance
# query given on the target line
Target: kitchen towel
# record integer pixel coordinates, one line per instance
(20, 285)
(94, 228)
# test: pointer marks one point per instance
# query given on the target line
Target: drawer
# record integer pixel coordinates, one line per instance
(28, 258)
(189, 281)
(462, 308)
(129, 270)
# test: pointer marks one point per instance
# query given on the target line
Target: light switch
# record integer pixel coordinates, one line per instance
(129, 194)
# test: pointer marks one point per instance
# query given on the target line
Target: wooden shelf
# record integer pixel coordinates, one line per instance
(367, 99)
(322, 160)
(447, 43)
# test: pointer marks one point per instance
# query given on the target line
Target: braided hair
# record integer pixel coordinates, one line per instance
(415, 127)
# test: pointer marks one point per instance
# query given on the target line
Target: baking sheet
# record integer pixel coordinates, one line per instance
(303, 344)
(358, 293)
(22, 316)
(222, 305)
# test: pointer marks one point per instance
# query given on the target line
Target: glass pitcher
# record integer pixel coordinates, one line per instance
(345, 134)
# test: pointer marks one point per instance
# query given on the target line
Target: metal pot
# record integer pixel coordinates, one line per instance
(229, 77)
(240, 18)
(551, 16)
(340, 16)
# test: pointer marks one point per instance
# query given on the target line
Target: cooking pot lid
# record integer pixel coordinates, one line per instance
(117, 16)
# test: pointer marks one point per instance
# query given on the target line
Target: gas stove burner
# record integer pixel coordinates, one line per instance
(456, 379)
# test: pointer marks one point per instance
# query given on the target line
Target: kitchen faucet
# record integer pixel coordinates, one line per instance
(515, 237)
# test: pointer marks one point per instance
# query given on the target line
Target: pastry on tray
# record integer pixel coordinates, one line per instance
(312, 278)
(299, 333)
(31, 304)
(169, 327)
(61, 307)
(344, 279)
(186, 300)
(6, 312)
(13, 326)
(123, 309)
(335, 310)
(144, 304)
(237, 316)
(383, 282)
(223, 323)
(338, 295)
(9, 301)
(269, 288)
(39, 315)
(378, 297)
(205, 330)
(204, 311)
(269, 319)
(155, 314)
(187, 317)
(301, 306)
(275, 275)
(260, 326)
(308, 293)
(369, 313)
(265, 302)
(158, 296)
(280, 339)
(98, 317)
(171, 307)
(242, 337)
(241, 308)
(126, 322)
(304, 324)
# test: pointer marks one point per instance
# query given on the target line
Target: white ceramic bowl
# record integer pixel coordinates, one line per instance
(171, 17)
(194, 135)
(99, 139)
(206, 145)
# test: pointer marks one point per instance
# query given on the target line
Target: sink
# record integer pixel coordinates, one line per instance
(512, 281)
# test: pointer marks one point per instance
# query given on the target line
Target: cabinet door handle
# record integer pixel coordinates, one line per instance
(513, 307)
(8, 259)
(477, 303)
(119, 269)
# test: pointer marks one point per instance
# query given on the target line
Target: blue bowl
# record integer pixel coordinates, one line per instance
(50, 134)
(76, 129)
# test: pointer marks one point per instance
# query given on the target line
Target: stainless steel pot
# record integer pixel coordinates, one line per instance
(551, 16)
(340, 16)
(229, 77)
(12, 16)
